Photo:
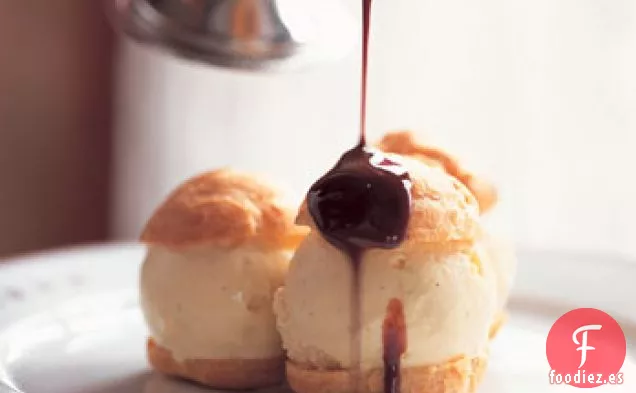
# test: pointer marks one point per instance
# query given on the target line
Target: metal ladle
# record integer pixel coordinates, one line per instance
(240, 34)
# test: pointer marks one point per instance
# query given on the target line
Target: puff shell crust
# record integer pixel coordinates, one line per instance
(218, 373)
(404, 143)
(444, 213)
(226, 209)
(462, 375)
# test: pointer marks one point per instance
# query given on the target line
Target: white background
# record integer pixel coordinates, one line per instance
(539, 95)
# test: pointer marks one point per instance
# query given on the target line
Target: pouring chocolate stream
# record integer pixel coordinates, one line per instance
(364, 202)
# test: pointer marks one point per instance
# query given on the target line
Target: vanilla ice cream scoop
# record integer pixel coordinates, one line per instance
(211, 303)
(218, 249)
(448, 297)
(438, 273)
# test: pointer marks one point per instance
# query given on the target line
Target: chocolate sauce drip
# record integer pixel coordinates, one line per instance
(394, 344)
(364, 202)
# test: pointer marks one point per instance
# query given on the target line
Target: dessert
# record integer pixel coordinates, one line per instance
(497, 248)
(431, 274)
(218, 248)
(394, 288)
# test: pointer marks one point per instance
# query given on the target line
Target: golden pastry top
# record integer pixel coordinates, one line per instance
(444, 213)
(404, 143)
(223, 208)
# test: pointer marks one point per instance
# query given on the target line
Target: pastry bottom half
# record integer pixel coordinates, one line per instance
(461, 375)
(218, 373)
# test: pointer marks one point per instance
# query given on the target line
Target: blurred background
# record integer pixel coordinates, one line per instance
(540, 96)
(55, 123)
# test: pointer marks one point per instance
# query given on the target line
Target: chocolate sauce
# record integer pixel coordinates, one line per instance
(364, 202)
(394, 344)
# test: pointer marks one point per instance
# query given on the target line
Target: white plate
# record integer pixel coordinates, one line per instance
(69, 321)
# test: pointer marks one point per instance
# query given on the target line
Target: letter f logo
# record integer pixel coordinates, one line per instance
(583, 344)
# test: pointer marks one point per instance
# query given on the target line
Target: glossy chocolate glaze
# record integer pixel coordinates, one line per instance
(394, 344)
(364, 202)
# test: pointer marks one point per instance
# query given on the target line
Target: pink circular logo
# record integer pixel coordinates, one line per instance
(586, 348)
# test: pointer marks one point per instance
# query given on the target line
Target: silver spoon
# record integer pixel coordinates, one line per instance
(241, 34)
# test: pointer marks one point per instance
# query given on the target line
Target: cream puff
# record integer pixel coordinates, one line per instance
(497, 247)
(404, 143)
(217, 250)
(446, 295)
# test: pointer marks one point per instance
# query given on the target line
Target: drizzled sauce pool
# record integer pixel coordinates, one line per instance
(364, 202)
